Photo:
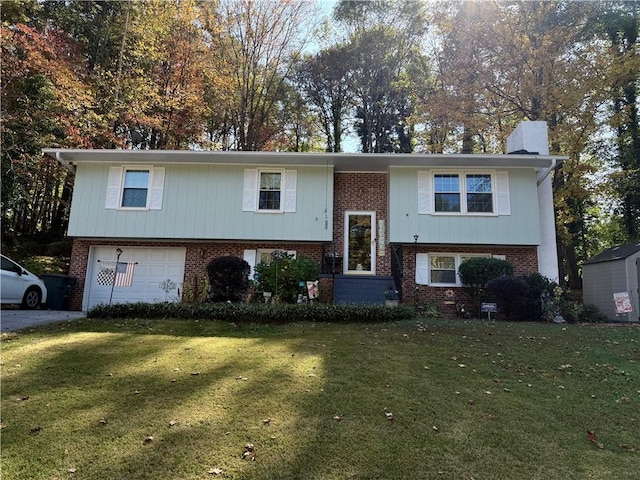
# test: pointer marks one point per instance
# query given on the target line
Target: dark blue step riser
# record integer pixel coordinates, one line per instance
(348, 289)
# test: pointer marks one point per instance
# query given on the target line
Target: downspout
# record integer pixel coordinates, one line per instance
(65, 163)
(545, 174)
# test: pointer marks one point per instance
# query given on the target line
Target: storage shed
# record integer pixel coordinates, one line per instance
(614, 271)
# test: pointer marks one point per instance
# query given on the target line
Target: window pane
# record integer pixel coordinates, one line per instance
(447, 202)
(134, 197)
(480, 202)
(443, 276)
(446, 183)
(448, 263)
(269, 200)
(479, 183)
(270, 181)
(136, 178)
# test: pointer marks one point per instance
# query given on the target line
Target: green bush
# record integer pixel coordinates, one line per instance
(255, 313)
(283, 275)
(228, 279)
(513, 298)
(476, 272)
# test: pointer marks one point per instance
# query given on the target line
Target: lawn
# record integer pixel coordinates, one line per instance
(423, 399)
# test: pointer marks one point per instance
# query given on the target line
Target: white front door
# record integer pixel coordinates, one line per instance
(359, 243)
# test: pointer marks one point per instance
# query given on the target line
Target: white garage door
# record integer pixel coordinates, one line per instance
(151, 270)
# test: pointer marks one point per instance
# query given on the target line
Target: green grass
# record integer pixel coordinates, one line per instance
(470, 400)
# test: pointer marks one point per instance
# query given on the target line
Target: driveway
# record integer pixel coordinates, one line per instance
(12, 320)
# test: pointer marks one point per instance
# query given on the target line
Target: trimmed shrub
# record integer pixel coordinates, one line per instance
(476, 272)
(255, 313)
(228, 279)
(513, 297)
(283, 275)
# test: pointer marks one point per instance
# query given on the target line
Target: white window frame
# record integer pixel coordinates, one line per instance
(462, 183)
(499, 191)
(123, 187)
(251, 190)
(426, 258)
(116, 187)
(280, 208)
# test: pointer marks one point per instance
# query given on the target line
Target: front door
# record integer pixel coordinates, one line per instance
(359, 243)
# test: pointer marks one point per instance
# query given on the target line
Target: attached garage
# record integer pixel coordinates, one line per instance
(141, 275)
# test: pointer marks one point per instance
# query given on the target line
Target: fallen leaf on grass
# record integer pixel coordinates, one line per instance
(215, 471)
(591, 436)
(249, 452)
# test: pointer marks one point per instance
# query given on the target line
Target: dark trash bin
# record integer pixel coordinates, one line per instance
(58, 290)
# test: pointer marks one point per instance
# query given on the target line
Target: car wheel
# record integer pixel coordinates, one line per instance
(31, 298)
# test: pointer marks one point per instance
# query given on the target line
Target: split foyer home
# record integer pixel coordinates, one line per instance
(373, 222)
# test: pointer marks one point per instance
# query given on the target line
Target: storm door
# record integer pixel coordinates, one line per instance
(359, 243)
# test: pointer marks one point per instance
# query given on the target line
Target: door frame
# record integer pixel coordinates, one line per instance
(345, 266)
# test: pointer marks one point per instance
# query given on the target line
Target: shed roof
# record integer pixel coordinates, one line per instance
(619, 252)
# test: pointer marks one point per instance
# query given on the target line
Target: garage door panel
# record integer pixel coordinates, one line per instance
(153, 266)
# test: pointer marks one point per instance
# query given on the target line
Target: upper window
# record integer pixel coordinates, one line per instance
(447, 192)
(135, 188)
(472, 195)
(270, 191)
(479, 193)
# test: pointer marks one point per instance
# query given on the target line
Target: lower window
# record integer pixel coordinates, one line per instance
(441, 269)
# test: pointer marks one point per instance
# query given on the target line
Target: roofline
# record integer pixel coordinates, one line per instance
(341, 162)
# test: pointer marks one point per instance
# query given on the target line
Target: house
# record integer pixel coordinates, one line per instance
(371, 221)
(614, 273)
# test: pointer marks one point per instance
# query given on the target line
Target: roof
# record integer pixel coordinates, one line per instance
(341, 162)
(619, 252)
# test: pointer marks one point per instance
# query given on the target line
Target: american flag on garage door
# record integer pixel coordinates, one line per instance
(124, 274)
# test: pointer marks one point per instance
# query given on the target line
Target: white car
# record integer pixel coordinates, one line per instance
(20, 286)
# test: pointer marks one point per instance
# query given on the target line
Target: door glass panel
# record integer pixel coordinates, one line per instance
(359, 243)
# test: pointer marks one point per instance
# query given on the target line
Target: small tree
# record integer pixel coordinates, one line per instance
(228, 279)
(476, 272)
(283, 274)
